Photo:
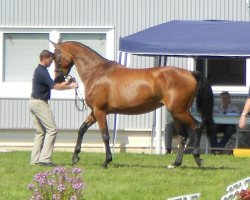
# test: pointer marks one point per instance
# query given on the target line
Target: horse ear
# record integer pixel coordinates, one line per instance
(54, 44)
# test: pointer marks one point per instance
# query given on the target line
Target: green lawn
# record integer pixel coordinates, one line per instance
(130, 176)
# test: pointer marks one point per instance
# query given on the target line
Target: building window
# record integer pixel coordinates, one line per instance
(21, 55)
(224, 72)
(20, 48)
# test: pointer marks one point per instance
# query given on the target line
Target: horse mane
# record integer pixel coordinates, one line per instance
(85, 46)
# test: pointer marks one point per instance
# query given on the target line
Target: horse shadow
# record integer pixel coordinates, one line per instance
(203, 168)
(150, 166)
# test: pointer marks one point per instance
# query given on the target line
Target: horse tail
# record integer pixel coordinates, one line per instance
(205, 102)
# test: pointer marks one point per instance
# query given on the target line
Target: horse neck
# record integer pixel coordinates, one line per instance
(87, 62)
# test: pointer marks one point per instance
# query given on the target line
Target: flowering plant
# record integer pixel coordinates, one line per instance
(57, 184)
(243, 195)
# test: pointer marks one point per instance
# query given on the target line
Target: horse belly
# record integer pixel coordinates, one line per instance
(133, 109)
(134, 93)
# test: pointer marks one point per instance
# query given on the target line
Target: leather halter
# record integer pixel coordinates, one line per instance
(59, 61)
(78, 97)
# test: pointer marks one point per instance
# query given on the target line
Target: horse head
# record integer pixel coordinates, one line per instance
(63, 59)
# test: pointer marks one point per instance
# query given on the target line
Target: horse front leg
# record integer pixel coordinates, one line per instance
(102, 121)
(105, 138)
(196, 152)
(84, 127)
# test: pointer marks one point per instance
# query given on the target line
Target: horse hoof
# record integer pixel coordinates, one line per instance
(105, 164)
(75, 160)
(199, 162)
(173, 166)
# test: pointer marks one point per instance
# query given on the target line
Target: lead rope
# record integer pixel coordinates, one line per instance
(79, 101)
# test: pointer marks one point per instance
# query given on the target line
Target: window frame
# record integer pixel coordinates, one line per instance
(23, 89)
(232, 89)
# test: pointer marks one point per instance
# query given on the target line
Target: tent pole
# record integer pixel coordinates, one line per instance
(158, 130)
(158, 125)
(206, 67)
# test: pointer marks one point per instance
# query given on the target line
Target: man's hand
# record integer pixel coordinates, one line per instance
(65, 85)
(73, 85)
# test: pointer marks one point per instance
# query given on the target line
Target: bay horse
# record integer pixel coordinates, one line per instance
(112, 88)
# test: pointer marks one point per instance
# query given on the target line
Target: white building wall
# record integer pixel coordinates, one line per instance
(127, 17)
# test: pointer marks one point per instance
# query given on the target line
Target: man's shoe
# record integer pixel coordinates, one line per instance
(47, 164)
(33, 164)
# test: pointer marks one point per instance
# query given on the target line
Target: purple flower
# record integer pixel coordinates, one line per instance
(61, 187)
(56, 197)
(57, 183)
(36, 196)
(70, 180)
(73, 198)
(31, 186)
(77, 171)
(77, 186)
(59, 170)
(51, 182)
(41, 178)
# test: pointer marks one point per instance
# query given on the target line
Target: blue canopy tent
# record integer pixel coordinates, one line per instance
(187, 39)
(191, 38)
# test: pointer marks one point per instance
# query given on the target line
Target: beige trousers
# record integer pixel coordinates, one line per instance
(46, 131)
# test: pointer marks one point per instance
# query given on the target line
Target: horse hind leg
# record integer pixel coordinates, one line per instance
(84, 127)
(189, 122)
(196, 152)
(193, 125)
(182, 139)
